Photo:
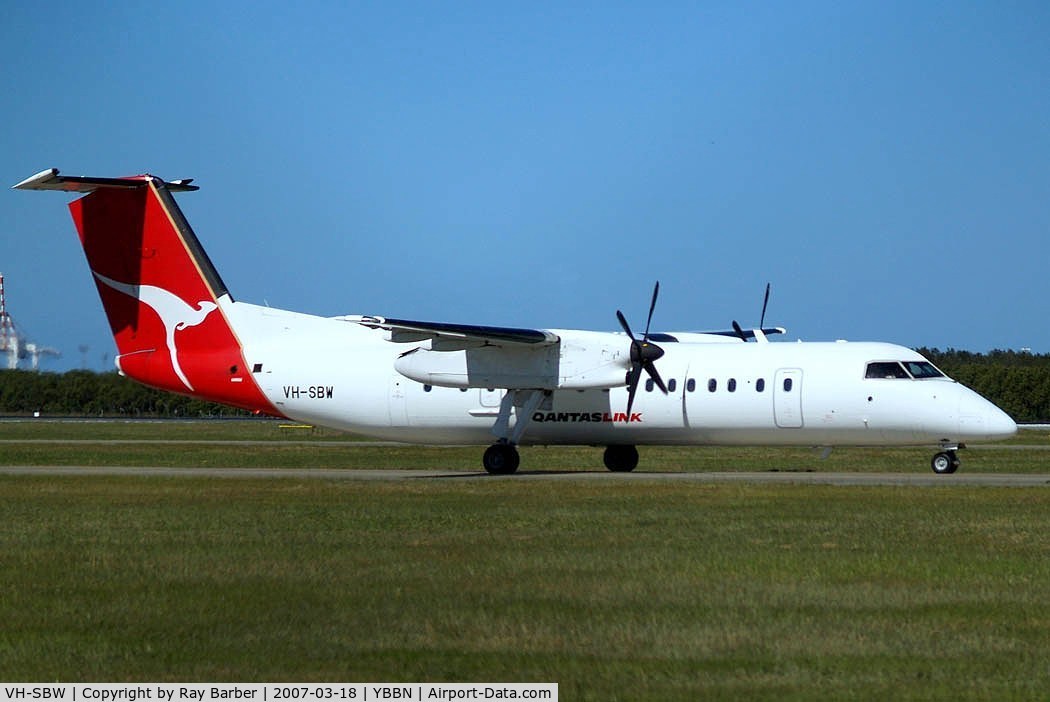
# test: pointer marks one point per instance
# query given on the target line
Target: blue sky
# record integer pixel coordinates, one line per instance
(885, 165)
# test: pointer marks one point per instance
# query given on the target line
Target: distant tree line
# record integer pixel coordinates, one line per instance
(85, 393)
(1019, 382)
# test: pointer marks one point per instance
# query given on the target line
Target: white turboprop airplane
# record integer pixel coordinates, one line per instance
(177, 328)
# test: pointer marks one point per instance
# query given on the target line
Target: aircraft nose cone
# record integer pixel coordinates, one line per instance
(980, 420)
(999, 425)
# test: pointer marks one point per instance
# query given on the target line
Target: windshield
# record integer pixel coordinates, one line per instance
(902, 370)
(886, 369)
(922, 370)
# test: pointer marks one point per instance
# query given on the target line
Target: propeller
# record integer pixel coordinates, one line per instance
(761, 321)
(644, 354)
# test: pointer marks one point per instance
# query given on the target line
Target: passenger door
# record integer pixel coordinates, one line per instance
(787, 398)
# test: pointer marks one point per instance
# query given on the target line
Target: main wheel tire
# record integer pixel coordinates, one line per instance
(621, 459)
(501, 459)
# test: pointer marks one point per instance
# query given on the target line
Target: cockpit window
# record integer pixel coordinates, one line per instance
(921, 370)
(886, 369)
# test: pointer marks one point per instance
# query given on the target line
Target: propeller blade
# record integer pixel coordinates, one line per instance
(632, 384)
(762, 320)
(624, 324)
(650, 368)
(652, 306)
(739, 331)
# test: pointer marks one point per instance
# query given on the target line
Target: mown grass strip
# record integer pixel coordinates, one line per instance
(160, 429)
(616, 591)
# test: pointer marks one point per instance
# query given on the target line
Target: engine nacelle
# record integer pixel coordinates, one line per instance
(580, 361)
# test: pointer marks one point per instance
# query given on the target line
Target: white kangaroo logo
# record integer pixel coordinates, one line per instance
(173, 311)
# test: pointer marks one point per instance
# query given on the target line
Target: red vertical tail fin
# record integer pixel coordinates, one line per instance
(163, 297)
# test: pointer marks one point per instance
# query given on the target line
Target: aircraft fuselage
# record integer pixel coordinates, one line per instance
(812, 393)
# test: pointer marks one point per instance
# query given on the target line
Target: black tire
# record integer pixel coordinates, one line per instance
(501, 459)
(621, 459)
(945, 463)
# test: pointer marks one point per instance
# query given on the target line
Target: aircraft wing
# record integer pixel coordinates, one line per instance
(450, 337)
(747, 333)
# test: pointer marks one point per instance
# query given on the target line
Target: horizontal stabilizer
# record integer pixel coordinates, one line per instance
(52, 180)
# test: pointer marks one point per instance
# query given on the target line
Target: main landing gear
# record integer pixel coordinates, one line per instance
(621, 459)
(945, 462)
(501, 459)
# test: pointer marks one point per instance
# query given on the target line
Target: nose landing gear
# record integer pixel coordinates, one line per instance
(945, 462)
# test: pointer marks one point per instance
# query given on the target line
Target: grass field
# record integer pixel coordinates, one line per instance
(615, 590)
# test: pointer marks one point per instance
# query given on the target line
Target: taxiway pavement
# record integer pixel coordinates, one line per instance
(760, 477)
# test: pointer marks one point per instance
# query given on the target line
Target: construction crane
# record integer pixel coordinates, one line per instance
(13, 343)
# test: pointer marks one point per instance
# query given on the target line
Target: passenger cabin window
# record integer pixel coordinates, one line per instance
(760, 385)
(886, 370)
(732, 385)
(712, 385)
(649, 385)
(690, 385)
(671, 385)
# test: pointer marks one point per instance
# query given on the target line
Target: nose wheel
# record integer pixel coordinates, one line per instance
(945, 462)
